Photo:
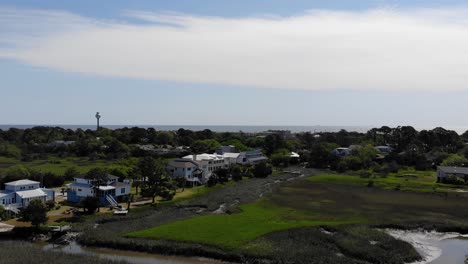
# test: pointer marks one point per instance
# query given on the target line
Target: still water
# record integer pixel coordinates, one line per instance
(454, 250)
(129, 256)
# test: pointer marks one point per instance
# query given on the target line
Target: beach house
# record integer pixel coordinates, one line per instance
(110, 192)
(18, 194)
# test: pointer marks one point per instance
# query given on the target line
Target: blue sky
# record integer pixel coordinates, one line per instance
(204, 62)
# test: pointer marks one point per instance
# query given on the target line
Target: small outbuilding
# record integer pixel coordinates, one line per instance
(445, 171)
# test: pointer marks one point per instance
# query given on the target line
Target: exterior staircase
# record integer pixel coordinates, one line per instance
(111, 200)
(13, 208)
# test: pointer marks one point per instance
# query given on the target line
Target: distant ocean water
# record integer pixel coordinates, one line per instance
(247, 129)
(234, 128)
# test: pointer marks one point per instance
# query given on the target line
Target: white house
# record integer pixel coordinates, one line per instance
(110, 193)
(19, 194)
(444, 171)
(230, 158)
(209, 162)
(186, 168)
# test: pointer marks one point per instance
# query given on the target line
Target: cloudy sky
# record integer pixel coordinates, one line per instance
(256, 62)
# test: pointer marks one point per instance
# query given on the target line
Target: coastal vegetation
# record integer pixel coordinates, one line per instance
(318, 208)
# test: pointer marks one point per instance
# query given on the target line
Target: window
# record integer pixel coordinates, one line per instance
(189, 169)
(3, 201)
(122, 190)
(79, 190)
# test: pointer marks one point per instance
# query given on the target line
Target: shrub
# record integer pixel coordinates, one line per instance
(50, 205)
(454, 180)
(262, 170)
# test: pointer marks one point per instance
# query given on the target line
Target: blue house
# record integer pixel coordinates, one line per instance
(18, 194)
(110, 193)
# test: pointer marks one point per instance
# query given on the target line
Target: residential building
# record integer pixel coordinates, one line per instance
(18, 194)
(251, 157)
(60, 143)
(208, 163)
(444, 171)
(186, 168)
(342, 152)
(226, 149)
(109, 193)
(384, 149)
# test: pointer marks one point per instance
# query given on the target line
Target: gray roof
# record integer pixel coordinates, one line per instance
(21, 182)
(183, 163)
(31, 193)
(454, 170)
(258, 158)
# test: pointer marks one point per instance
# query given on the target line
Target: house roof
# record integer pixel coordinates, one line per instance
(119, 184)
(79, 185)
(257, 158)
(454, 170)
(294, 155)
(3, 193)
(183, 163)
(111, 177)
(21, 182)
(31, 193)
(106, 188)
(204, 156)
(230, 155)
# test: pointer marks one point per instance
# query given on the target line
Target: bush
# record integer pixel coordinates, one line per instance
(365, 174)
(454, 180)
(50, 205)
(262, 170)
(236, 173)
(91, 204)
(212, 181)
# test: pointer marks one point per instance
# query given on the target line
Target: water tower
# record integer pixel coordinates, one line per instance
(98, 116)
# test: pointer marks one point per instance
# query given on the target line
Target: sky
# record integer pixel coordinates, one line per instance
(256, 62)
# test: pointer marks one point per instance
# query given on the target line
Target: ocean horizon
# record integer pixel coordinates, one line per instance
(215, 128)
(227, 128)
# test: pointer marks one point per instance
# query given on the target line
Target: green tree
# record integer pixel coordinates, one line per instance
(35, 212)
(281, 157)
(90, 204)
(455, 160)
(155, 176)
(236, 173)
(205, 146)
(222, 174)
(71, 173)
(9, 150)
(262, 170)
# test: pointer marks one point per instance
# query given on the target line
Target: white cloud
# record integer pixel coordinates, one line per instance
(382, 49)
